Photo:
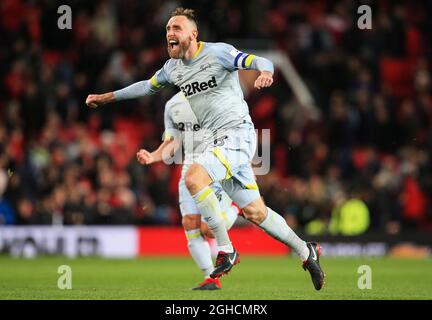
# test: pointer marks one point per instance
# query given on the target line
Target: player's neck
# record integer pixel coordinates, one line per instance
(192, 52)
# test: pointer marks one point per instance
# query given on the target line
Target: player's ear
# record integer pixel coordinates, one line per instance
(195, 34)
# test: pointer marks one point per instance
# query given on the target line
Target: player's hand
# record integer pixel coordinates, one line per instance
(144, 157)
(264, 80)
(96, 100)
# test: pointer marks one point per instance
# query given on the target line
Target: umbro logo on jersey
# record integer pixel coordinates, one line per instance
(195, 87)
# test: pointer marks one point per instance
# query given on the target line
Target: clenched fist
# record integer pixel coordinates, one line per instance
(265, 79)
(144, 157)
(96, 100)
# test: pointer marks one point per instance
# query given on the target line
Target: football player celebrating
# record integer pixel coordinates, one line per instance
(207, 73)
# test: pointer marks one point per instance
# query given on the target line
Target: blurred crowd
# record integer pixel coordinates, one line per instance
(63, 163)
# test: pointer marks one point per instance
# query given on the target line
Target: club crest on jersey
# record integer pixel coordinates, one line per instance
(195, 87)
(205, 66)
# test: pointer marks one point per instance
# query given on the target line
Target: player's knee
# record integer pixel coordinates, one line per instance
(191, 221)
(191, 183)
(195, 179)
(255, 212)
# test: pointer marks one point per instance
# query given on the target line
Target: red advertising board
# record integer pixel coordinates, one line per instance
(172, 241)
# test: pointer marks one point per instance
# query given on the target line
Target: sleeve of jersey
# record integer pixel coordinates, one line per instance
(143, 88)
(233, 59)
(170, 131)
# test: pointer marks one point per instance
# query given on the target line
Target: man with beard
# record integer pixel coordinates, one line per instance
(207, 73)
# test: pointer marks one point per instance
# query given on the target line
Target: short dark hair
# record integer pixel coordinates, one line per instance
(188, 13)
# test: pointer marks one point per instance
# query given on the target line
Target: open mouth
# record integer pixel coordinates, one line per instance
(173, 43)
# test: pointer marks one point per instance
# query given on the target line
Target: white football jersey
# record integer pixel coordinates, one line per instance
(181, 123)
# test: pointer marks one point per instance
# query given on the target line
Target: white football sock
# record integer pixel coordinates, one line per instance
(209, 207)
(276, 226)
(230, 216)
(213, 247)
(200, 251)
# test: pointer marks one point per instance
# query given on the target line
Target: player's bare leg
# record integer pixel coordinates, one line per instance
(198, 183)
(206, 231)
(276, 226)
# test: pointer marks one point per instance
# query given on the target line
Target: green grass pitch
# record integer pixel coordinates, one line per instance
(152, 278)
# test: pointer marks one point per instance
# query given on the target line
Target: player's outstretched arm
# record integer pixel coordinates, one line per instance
(96, 100)
(166, 150)
(265, 66)
(136, 90)
(233, 59)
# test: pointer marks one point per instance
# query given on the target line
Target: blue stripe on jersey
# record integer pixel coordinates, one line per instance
(236, 58)
(244, 62)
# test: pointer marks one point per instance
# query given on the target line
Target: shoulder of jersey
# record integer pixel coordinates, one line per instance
(216, 46)
(223, 49)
